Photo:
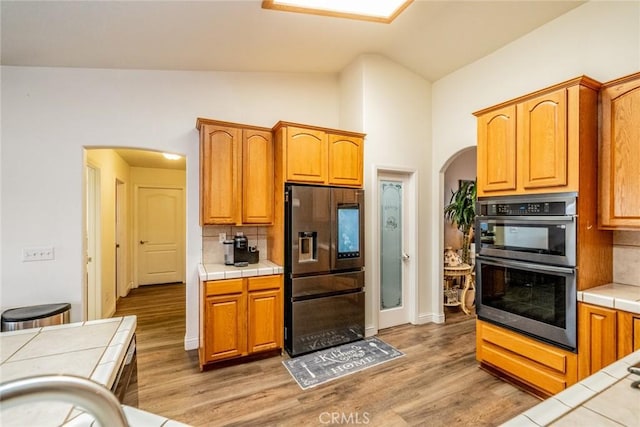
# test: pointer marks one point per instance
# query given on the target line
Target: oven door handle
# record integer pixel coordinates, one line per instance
(518, 219)
(527, 265)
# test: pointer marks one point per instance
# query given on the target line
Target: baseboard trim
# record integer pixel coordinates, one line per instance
(430, 318)
(191, 343)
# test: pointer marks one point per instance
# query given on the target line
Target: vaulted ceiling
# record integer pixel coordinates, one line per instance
(431, 38)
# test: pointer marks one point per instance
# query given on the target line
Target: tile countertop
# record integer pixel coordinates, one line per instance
(613, 295)
(93, 349)
(222, 271)
(605, 398)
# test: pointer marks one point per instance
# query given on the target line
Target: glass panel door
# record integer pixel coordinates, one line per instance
(391, 244)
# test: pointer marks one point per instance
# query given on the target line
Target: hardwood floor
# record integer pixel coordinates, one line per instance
(437, 383)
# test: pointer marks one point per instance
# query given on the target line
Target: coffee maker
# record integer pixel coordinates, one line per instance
(243, 254)
(240, 248)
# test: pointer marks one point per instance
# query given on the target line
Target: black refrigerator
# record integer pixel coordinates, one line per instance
(324, 267)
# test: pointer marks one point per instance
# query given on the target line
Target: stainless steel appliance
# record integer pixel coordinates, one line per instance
(228, 252)
(536, 228)
(125, 385)
(324, 278)
(525, 265)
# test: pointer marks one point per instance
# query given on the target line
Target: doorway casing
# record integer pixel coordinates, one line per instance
(410, 246)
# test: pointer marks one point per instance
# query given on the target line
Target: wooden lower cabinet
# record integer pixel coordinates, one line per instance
(604, 336)
(225, 326)
(597, 338)
(542, 368)
(628, 333)
(240, 317)
(265, 314)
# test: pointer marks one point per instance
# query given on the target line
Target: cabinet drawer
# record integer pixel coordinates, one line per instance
(264, 282)
(223, 287)
(543, 367)
(544, 355)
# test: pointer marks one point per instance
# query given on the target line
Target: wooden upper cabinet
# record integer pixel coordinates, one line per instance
(257, 177)
(315, 155)
(345, 160)
(497, 149)
(620, 154)
(236, 173)
(306, 155)
(544, 141)
(219, 184)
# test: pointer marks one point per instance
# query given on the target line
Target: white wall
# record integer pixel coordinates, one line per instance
(598, 39)
(50, 114)
(392, 106)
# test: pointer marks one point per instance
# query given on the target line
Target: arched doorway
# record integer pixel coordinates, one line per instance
(459, 168)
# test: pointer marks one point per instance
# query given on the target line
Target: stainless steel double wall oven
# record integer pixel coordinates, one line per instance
(526, 265)
(324, 261)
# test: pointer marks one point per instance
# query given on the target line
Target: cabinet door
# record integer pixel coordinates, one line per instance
(597, 341)
(225, 327)
(628, 333)
(543, 160)
(265, 320)
(620, 155)
(497, 151)
(345, 160)
(219, 186)
(265, 313)
(257, 177)
(306, 155)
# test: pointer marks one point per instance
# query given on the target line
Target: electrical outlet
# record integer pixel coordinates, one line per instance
(222, 237)
(43, 253)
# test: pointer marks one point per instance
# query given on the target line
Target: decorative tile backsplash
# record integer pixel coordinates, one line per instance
(213, 250)
(626, 257)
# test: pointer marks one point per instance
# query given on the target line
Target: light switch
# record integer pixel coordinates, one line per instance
(43, 253)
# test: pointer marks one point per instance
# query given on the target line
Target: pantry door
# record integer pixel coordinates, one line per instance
(160, 235)
(396, 248)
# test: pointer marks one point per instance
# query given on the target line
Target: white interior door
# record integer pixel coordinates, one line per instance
(394, 254)
(160, 235)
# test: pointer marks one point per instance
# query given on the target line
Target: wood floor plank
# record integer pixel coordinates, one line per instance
(436, 383)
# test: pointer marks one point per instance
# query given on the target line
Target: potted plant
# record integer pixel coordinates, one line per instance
(461, 211)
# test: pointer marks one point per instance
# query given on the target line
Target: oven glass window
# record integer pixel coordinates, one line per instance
(534, 295)
(547, 239)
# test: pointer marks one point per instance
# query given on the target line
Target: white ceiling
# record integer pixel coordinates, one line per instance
(149, 159)
(431, 38)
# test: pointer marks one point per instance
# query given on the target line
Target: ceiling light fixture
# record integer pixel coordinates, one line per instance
(170, 156)
(367, 10)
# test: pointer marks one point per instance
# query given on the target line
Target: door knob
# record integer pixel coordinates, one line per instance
(405, 256)
(142, 242)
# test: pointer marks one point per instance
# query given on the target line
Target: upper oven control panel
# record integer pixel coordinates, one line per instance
(525, 209)
(534, 205)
